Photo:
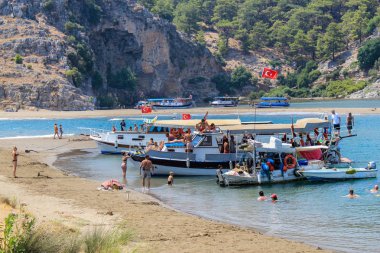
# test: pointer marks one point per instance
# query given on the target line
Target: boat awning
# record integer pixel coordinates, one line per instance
(301, 126)
(311, 148)
(274, 98)
(193, 122)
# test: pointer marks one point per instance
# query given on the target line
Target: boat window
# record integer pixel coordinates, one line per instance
(197, 139)
(120, 137)
(207, 141)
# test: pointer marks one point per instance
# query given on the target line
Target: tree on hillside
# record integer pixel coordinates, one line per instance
(354, 24)
(369, 53)
(331, 42)
(187, 16)
(259, 35)
(224, 10)
(226, 28)
(164, 8)
(241, 77)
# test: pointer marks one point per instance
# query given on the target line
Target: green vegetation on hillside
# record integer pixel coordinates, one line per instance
(302, 29)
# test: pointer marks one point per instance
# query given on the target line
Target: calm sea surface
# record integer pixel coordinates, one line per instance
(315, 213)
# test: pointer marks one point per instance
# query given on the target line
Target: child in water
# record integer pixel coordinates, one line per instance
(261, 196)
(171, 178)
(352, 195)
(274, 197)
(375, 189)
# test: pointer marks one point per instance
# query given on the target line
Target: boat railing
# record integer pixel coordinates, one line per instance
(92, 131)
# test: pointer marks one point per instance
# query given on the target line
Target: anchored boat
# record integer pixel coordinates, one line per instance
(225, 101)
(171, 103)
(334, 174)
(269, 102)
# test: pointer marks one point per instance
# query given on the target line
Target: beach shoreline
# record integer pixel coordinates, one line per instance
(46, 114)
(72, 200)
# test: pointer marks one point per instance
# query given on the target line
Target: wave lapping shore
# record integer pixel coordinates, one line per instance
(53, 195)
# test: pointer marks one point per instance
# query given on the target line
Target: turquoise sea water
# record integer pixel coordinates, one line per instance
(315, 213)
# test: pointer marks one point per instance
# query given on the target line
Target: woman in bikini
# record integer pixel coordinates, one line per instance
(124, 160)
(14, 156)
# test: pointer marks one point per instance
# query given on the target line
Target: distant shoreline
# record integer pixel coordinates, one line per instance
(46, 114)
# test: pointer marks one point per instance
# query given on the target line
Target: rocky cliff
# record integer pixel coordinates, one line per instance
(60, 54)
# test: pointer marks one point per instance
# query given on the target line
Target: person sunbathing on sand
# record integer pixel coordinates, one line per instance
(352, 195)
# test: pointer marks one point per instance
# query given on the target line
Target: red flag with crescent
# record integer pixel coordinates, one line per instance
(146, 109)
(269, 73)
(186, 116)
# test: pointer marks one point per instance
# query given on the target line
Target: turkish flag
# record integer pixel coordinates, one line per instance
(186, 116)
(146, 109)
(269, 73)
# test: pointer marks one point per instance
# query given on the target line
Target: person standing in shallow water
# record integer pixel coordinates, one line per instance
(349, 122)
(14, 160)
(146, 167)
(124, 160)
(55, 131)
(60, 131)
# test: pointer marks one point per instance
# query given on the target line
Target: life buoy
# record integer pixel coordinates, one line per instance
(290, 161)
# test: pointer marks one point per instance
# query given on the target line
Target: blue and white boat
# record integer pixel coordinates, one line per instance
(269, 102)
(171, 103)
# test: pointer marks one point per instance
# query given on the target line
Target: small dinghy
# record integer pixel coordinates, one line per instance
(333, 174)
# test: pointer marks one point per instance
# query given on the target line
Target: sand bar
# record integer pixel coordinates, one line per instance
(75, 202)
(22, 114)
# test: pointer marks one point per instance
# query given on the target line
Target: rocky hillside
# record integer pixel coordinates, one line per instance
(70, 54)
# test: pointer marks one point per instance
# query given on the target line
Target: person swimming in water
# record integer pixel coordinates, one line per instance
(261, 196)
(375, 189)
(352, 195)
(274, 197)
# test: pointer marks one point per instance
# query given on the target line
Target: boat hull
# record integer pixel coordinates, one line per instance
(338, 174)
(259, 178)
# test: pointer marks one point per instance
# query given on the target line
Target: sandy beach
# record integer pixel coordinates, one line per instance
(54, 196)
(22, 114)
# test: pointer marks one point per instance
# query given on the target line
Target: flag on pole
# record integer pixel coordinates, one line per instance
(146, 109)
(186, 116)
(269, 73)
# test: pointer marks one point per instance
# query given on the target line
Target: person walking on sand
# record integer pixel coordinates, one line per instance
(124, 160)
(350, 122)
(60, 131)
(14, 160)
(146, 167)
(55, 131)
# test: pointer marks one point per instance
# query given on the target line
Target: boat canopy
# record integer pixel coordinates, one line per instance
(160, 99)
(301, 126)
(226, 98)
(193, 122)
(274, 98)
(311, 148)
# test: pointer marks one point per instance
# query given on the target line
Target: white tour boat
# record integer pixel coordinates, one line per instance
(225, 101)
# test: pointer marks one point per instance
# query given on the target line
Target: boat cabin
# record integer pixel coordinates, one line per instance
(268, 102)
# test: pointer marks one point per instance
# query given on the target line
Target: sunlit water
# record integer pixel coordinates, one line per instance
(315, 213)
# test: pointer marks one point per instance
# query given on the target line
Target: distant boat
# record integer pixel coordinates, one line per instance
(141, 104)
(269, 102)
(171, 103)
(225, 101)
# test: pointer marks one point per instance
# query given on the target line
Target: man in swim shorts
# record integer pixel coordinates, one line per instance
(146, 167)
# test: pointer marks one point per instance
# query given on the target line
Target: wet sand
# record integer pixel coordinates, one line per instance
(53, 195)
(22, 114)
